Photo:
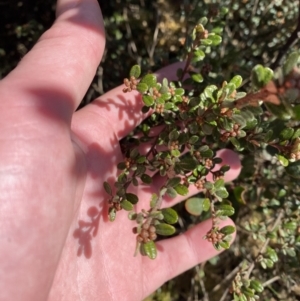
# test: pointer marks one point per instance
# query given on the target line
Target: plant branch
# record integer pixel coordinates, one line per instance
(264, 247)
(289, 43)
(270, 281)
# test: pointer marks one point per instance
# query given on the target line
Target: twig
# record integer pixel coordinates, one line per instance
(289, 43)
(271, 281)
(151, 49)
(224, 294)
(227, 278)
(264, 247)
(202, 285)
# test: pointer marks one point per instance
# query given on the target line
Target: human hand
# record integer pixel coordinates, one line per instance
(53, 163)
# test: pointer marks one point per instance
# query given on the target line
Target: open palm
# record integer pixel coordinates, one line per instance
(56, 241)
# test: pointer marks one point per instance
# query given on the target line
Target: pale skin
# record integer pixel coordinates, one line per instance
(53, 163)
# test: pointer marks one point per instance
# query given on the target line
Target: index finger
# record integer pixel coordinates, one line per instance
(60, 67)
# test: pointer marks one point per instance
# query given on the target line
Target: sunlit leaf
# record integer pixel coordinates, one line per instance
(165, 229)
(135, 71)
(149, 249)
(126, 205)
(170, 215)
(181, 189)
(194, 206)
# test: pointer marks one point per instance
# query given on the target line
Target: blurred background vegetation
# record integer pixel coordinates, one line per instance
(153, 34)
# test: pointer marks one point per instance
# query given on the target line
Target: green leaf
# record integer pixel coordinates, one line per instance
(149, 248)
(132, 215)
(174, 134)
(207, 129)
(194, 205)
(121, 166)
(175, 153)
(170, 215)
(179, 91)
(187, 163)
(260, 76)
(203, 21)
(149, 80)
(134, 153)
(154, 200)
(294, 169)
(292, 226)
(257, 286)
(165, 229)
(215, 39)
(283, 161)
(173, 182)
(135, 71)
(224, 244)
(146, 179)
(296, 112)
(126, 205)
(209, 90)
(239, 119)
(199, 55)
(207, 154)
(237, 81)
(271, 253)
(171, 192)
(148, 100)
(238, 192)
(229, 89)
(141, 159)
(206, 204)
(206, 42)
(224, 210)
(194, 139)
(290, 62)
(248, 291)
(112, 214)
(286, 133)
(169, 106)
(181, 189)
(208, 185)
(291, 252)
(219, 184)
(221, 192)
(142, 87)
(132, 198)
(227, 230)
(107, 188)
(198, 78)
(280, 111)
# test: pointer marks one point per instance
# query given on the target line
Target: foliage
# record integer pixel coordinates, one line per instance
(263, 262)
(257, 117)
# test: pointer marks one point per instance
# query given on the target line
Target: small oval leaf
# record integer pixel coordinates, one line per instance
(173, 182)
(170, 215)
(107, 188)
(227, 230)
(237, 81)
(148, 100)
(194, 206)
(165, 229)
(149, 79)
(149, 249)
(146, 179)
(112, 214)
(181, 189)
(132, 198)
(135, 71)
(142, 87)
(126, 205)
(224, 210)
